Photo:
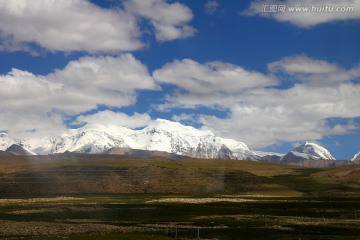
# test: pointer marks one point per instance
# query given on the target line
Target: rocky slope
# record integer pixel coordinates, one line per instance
(18, 150)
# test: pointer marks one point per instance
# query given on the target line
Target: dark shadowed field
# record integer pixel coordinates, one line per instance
(114, 197)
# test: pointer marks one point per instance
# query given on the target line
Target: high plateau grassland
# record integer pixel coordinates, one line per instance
(79, 196)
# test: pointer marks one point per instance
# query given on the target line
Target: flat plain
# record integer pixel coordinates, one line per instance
(78, 196)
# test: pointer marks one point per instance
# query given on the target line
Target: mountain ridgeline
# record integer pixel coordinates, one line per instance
(165, 139)
(160, 135)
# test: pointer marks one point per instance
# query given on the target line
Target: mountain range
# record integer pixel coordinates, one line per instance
(161, 137)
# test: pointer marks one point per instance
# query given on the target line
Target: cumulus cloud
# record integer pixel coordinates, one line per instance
(266, 113)
(79, 25)
(31, 124)
(187, 119)
(73, 25)
(24, 90)
(307, 13)
(313, 71)
(210, 77)
(269, 116)
(110, 118)
(33, 101)
(206, 84)
(110, 81)
(211, 6)
(170, 20)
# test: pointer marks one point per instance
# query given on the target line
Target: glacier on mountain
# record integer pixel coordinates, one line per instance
(308, 150)
(313, 151)
(160, 135)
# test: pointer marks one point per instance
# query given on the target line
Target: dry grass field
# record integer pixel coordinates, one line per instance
(75, 196)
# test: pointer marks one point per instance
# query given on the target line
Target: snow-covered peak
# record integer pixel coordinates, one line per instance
(163, 123)
(356, 157)
(159, 135)
(109, 129)
(86, 141)
(233, 144)
(175, 127)
(312, 151)
(263, 154)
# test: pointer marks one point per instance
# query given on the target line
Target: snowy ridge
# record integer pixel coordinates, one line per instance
(263, 154)
(356, 157)
(160, 135)
(312, 151)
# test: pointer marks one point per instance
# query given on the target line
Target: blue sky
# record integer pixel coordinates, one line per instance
(269, 79)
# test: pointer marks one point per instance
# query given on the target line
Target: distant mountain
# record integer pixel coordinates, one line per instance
(137, 153)
(309, 155)
(269, 156)
(161, 135)
(162, 138)
(173, 137)
(17, 150)
(263, 154)
(309, 150)
(86, 141)
(313, 151)
(356, 157)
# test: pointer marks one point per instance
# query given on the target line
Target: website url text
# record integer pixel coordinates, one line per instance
(324, 8)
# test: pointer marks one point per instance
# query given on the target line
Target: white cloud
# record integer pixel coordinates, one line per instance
(31, 101)
(296, 13)
(261, 115)
(210, 77)
(303, 65)
(110, 118)
(170, 20)
(269, 116)
(211, 6)
(92, 81)
(188, 119)
(35, 124)
(72, 25)
(207, 84)
(23, 90)
(79, 25)
(180, 99)
(313, 71)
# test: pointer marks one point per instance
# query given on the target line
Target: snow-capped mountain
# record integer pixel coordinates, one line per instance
(264, 154)
(356, 157)
(312, 151)
(160, 135)
(307, 151)
(309, 155)
(270, 156)
(87, 142)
